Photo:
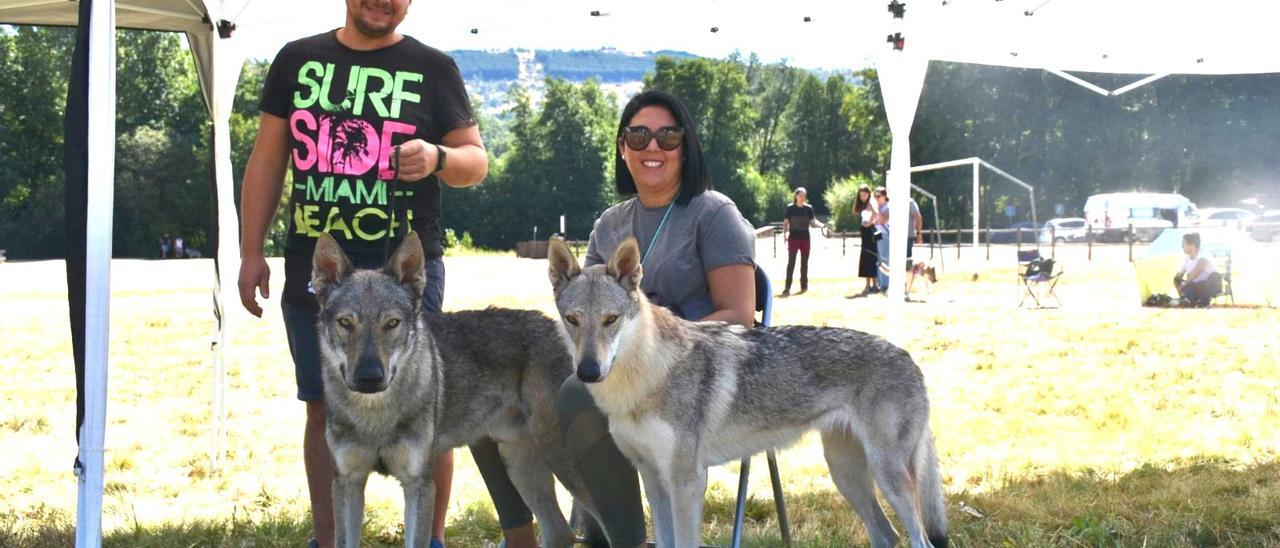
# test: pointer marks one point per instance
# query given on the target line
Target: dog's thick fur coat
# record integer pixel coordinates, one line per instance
(681, 396)
(402, 386)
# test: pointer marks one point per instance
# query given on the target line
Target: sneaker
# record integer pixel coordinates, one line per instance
(785, 293)
(803, 291)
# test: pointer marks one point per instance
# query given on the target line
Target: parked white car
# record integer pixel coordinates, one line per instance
(1230, 217)
(1067, 229)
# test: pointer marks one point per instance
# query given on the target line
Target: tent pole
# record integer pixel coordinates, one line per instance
(101, 194)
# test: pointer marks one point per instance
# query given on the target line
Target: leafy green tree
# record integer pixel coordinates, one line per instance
(715, 92)
(34, 63)
(560, 162)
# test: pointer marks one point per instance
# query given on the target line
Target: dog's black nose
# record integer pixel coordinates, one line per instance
(368, 376)
(589, 370)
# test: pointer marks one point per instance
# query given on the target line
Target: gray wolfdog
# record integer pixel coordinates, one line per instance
(681, 396)
(402, 386)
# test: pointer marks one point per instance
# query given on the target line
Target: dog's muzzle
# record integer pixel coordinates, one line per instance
(589, 370)
(369, 377)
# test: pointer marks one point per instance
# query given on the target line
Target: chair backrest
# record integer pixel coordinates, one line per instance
(1028, 255)
(764, 296)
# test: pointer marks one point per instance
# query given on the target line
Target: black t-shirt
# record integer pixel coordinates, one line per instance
(800, 217)
(346, 109)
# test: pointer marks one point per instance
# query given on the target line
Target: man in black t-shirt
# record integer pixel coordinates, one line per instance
(795, 229)
(334, 108)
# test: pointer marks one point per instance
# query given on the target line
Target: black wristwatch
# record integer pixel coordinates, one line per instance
(440, 159)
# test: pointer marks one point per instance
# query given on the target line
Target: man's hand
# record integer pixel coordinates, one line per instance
(254, 274)
(418, 159)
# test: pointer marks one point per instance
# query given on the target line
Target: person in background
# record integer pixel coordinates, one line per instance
(796, 221)
(868, 257)
(1197, 280)
(882, 239)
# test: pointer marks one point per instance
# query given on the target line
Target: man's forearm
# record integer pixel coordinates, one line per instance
(465, 165)
(259, 198)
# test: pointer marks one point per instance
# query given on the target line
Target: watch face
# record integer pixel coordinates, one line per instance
(440, 158)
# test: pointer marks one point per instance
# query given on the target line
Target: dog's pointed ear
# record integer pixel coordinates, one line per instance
(329, 265)
(625, 264)
(561, 264)
(408, 264)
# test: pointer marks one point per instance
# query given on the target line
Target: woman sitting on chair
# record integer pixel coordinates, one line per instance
(698, 256)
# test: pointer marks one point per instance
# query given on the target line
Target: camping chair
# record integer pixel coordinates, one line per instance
(764, 305)
(1038, 278)
(1222, 258)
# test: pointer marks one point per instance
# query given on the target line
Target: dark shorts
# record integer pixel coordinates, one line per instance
(304, 345)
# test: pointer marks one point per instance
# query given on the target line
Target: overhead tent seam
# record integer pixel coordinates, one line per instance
(1200, 39)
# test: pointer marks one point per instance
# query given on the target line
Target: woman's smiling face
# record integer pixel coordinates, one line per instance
(655, 171)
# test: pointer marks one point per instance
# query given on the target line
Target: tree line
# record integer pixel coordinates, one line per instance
(766, 129)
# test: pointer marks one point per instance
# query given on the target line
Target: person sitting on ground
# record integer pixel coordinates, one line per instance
(1197, 280)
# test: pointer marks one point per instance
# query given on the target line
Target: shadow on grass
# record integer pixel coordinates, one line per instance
(1190, 503)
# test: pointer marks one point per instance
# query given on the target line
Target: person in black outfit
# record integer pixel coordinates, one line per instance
(795, 229)
(868, 258)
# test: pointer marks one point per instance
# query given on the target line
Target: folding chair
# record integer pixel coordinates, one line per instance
(764, 305)
(1037, 278)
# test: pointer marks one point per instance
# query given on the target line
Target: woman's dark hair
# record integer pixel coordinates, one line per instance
(694, 178)
(858, 203)
(1191, 238)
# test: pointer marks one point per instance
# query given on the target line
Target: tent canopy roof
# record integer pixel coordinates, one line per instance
(1130, 37)
(169, 15)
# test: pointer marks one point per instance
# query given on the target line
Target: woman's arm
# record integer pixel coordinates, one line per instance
(733, 294)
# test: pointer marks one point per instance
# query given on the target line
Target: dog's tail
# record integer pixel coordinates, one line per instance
(932, 505)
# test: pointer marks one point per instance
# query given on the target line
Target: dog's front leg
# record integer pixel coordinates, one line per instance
(686, 502)
(659, 495)
(419, 500)
(348, 508)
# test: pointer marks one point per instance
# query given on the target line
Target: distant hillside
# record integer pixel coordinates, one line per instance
(606, 65)
(490, 74)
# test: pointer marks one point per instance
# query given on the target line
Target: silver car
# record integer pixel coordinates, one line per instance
(1066, 229)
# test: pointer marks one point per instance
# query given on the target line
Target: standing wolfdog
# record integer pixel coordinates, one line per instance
(681, 396)
(402, 386)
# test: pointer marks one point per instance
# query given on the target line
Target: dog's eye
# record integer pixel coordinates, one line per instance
(392, 323)
(573, 320)
(610, 319)
(345, 323)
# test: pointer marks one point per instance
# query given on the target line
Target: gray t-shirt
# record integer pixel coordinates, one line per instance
(913, 209)
(704, 235)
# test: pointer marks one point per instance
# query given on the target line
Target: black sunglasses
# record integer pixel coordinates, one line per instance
(638, 137)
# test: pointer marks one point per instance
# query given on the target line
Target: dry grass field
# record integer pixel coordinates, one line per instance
(1100, 423)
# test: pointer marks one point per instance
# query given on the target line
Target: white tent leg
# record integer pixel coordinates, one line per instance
(101, 195)
(227, 60)
(901, 80)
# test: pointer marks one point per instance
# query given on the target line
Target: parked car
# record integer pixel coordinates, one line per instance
(1266, 227)
(1230, 217)
(1148, 213)
(1024, 231)
(1067, 229)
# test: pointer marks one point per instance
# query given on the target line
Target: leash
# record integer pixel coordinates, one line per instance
(657, 233)
(391, 201)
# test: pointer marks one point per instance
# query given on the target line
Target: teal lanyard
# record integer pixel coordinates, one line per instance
(661, 224)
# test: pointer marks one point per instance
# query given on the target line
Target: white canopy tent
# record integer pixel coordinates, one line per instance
(1145, 37)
